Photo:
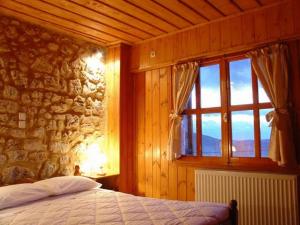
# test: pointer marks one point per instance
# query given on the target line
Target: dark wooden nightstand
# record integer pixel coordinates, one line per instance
(108, 181)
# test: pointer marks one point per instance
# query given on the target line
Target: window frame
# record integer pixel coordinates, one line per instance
(227, 160)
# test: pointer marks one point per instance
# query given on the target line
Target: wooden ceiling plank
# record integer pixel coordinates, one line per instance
(259, 2)
(247, 4)
(48, 17)
(225, 6)
(194, 10)
(162, 12)
(269, 2)
(203, 8)
(233, 2)
(77, 18)
(181, 9)
(96, 16)
(121, 16)
(138, 13)
(214, 7)
(52, 26)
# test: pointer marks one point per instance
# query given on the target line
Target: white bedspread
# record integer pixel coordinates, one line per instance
(99, 206)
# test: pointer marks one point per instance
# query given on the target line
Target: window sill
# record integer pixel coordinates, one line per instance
(245, 164)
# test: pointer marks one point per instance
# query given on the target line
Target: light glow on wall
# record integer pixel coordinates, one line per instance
(93, 159)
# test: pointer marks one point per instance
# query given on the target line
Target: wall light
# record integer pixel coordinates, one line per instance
(94, 161)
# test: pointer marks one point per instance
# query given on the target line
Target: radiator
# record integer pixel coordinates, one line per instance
(263, 199)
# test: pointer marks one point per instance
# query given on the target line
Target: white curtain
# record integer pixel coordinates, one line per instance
(270, 66)
(183, 79)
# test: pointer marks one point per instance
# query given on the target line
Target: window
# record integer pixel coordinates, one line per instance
(224, 118)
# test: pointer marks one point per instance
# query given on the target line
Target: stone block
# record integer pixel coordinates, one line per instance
(18, 155)
(34, 145)
(49, 169)
(12, 174)
(17, 133)
(10, 92)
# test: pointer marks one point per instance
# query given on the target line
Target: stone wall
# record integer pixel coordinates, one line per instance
(51, 100)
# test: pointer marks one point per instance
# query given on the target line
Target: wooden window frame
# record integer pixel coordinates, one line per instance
(226, 160)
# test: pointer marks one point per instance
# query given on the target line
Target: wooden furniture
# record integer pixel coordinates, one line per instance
(108, 181)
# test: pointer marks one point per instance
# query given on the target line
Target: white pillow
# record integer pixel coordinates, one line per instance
(67, 184)
(14, 195)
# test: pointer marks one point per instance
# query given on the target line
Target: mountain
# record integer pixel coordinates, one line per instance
(244, 148)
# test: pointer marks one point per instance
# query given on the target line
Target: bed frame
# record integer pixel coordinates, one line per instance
(233, 213)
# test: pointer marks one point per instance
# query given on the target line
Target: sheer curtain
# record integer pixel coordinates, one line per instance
(183, 79)
(270, 66)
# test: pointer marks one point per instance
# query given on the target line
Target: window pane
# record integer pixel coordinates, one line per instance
(189, 135)
(262, 96)
(211, 134)
(243, 134)
(191, 104)
(210, 86)
(240, 82)
(265, 132)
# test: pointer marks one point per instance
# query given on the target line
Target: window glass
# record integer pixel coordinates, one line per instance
(191, 104)
(211, 134)
(210, 86)
(189, 135)
(240, 82)
(243, 144)
(262, 96)
(265, 132)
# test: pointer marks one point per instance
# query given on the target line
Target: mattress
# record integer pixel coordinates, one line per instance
(100, 206)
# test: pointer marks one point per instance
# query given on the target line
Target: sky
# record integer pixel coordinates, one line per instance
(241, 92)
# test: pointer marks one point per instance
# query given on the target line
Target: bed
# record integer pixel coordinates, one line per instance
(63, 205)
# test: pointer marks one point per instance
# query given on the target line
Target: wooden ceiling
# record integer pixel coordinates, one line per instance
(108, 22)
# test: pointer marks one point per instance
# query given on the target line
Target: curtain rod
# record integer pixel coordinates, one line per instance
(232, 52)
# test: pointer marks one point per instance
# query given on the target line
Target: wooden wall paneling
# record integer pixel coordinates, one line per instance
(180, 48)
(296, 15)
(204, 36)
(273, 22)
(215, 36)
(190, 186)
(113, 109)
(153, 45)
(172, 193)
(116, 104)
(236, 31)
(127, 172)
(148, 136)
(244, 31)
(248, 28)
(294, 49)
(156, 133)
(286, 19)
(260, 26)
(166, 53)
(139, 93)
(164, 129)
(144, 60)
(225, 34)
(109, 104)
(181, 183)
